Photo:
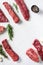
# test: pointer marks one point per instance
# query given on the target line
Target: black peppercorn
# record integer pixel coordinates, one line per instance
(35, 8)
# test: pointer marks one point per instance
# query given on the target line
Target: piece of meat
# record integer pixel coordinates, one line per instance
(39, 48)
(3, 18)
(41, 53)
(2, 29)
(23, 8)
(9, 50)
(37, 45)
(11, 12)
(32, 55)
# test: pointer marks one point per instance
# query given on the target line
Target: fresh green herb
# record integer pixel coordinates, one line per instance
(0, 48)
(10, 31)
(15, 6)
(2, 52)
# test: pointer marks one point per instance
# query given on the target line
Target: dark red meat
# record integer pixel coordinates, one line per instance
(11, 12)
(41, 53)
(32, 55)
(23, 8)
(2, 29)
(39, 48)
(9, 50)
(3, 18)
(37, 45)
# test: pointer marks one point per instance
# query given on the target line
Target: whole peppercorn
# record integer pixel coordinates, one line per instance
(35, 9)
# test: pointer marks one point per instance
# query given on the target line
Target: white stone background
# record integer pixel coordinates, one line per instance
(24, 33)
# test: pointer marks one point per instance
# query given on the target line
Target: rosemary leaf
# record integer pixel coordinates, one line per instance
(15, 6)
(2, 52)
(10, 31)
(0, 48)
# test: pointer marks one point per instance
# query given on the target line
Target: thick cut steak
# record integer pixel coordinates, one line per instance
(9, 50)
(23, 8)
(11, 12)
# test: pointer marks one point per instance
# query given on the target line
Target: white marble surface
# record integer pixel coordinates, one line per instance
(24, 33)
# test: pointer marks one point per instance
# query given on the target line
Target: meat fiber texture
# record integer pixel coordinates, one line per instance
(39, 48)
(32, 55)
(9, 50)
(23, 8)
(3, 18)
(11, 12)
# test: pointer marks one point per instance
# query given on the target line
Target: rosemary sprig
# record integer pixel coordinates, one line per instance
(15, 6)
(10, 31)
(2, 52)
